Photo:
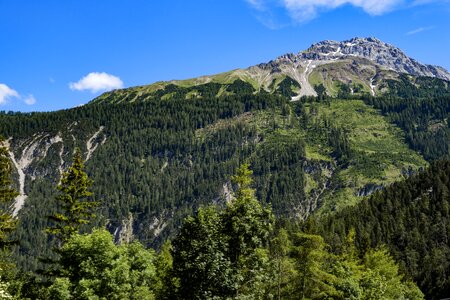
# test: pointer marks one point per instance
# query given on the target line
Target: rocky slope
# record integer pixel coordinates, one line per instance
(364, 64)
(383, 54)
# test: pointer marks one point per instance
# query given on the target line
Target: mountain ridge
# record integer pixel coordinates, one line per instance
(363, 62)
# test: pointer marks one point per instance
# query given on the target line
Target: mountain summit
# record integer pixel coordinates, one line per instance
(362, 65)
(373, 49)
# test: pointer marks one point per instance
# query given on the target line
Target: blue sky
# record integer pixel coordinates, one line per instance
(59, 54)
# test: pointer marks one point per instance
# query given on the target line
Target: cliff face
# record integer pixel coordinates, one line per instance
(376, 51)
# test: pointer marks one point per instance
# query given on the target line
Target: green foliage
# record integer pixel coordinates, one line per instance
(288, 87)
(7, 195)
(367, 152)
(412, 218)
(7, 224)
(424, 120)
(375, 276)
(313, 281)
(154, 163)
(381, 279)
(283, 265)
(223, 253)
(4, 294)
(94, 268)
(75, 205)
(172, 151)
(240, 87)
(200, 263)
(320, 90)
(408, 87)
(166, 283)
(279, 168)
(247, 226)
(246, 222)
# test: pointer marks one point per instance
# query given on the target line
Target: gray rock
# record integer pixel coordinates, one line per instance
(381, 53)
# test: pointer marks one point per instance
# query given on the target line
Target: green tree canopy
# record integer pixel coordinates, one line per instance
(74, 199)
(95, 268)
(223, 253)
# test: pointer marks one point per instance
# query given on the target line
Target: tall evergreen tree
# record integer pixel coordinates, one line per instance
(224, 253)
(74, 199)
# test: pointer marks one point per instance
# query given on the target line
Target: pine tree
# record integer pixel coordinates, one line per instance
(248, 226)
(222, 254)
(74, 200)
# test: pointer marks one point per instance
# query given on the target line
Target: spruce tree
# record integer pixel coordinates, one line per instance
(248, 225)
(75, 201)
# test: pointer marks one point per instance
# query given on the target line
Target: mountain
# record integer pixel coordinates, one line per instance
(364, 64)
(158, 152)
(384, 55)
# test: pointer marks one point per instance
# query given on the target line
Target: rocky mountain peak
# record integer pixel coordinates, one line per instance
(379, 52)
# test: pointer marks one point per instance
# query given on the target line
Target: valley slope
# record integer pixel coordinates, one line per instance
(158, 152)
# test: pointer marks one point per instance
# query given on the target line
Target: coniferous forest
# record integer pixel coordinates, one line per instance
(241, 195)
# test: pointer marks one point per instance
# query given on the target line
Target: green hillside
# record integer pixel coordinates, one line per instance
(158, 160)
(158, 154)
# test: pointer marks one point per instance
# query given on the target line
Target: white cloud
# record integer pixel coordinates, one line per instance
(419, 30)
(258, 4)
(305, 10)
(96, 82)
(6, 92)
(29, 100)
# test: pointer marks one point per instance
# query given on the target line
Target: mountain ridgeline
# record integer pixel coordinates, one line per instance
(322, 130)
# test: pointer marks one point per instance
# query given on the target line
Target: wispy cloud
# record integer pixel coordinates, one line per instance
(419, 30)
(267, 12)
(96, 82)
(29, 100)
(257, 4)
(306, 10)
(7, 93)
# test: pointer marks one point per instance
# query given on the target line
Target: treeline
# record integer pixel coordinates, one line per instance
(425, 122)
(421, 107)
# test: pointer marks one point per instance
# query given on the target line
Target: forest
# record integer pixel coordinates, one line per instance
(243, 183)
(237, 251)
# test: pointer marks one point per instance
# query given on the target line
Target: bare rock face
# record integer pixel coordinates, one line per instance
(381, 53)
(364, 59)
